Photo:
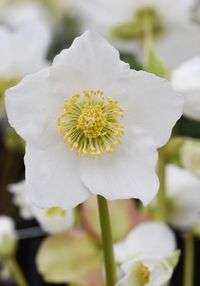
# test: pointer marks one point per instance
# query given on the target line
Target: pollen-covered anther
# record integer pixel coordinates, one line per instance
(90, 123)
(56, 211)
(142, 274)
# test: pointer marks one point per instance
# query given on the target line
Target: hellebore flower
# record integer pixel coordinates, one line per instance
(185, 79)
(184, 197)
(92, 126)
(172, 25)
(53, 220)
(145, 261)
(22, 51)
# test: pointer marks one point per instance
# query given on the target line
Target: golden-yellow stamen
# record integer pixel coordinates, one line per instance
(56, 211)
(90, 123)
(142, 274)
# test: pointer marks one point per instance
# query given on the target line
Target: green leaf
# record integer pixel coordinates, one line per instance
(174, 259)
(71, 258)
(155, 66)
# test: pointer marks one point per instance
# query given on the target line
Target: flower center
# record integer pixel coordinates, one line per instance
(56, 211)
(90, 123)
(142, 274)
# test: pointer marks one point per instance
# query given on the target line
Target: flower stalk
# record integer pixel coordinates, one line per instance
(107, 241)
(188, 272)
(16, 271)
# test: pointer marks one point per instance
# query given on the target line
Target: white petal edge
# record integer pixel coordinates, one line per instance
(150, 238)
(52, 178)
(129, 172)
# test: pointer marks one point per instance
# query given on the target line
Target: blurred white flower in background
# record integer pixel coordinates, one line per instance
(178, 38)
(22, 51)
(185, 79)
(184, 197)
(20, 199)
(145, 255)
(190, 156)
(52, 220)
(20, 14)
(48, 13)
(8, 236)
(73, 106)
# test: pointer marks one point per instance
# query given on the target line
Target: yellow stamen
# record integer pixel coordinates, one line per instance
(90, 124)
(142, 274)
(56, 211)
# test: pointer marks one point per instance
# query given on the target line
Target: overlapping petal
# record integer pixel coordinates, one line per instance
(52, 179)
(150, 238)
(130, 173)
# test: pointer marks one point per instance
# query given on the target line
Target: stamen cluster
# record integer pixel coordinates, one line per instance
(143, 274)
(90, 123)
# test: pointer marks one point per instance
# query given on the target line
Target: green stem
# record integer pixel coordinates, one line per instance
(16, 271)
(107, 241)
(148, 38)
(188, 259)
(160, 211)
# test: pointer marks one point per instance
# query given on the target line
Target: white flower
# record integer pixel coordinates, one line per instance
(185, 79)
(190, 156)
(144, 254)
(22, 51)
(78, 105)
(180, 38)
(183, 192)
(145, 271)
(52, 220)
(48, 14)
(138, 243)
(21, 14)
(21, 200)
(8, 236)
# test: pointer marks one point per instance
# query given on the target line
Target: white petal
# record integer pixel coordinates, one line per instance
(7, 226)
(33, 108)
(185, 79)
(21, 14)
(181, 43)
(150, 103)
(150, 238)
(56, 223)
(178, 179)
(129, 172)
(183, 189)
(31, 44)
(94, 57)
(20, 199)
(52, 177)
